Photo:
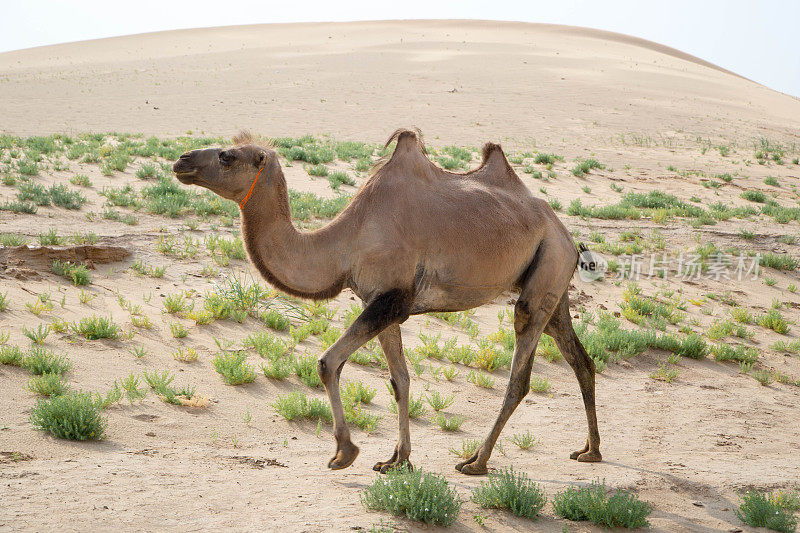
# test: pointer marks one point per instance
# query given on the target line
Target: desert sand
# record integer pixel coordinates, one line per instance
(689, 447)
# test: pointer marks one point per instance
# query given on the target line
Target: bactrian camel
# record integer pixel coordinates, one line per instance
(414, 239)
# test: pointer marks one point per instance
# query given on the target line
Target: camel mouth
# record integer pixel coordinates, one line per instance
(185, 176)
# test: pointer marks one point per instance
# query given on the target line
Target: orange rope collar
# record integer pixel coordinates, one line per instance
(247, 197)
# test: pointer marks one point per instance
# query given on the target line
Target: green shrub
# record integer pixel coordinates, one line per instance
(515, 492)
(274, 319)
(278, 368)
(72, 416)
(48, 385)
(585, 166)
(420, 496)
(19, 207)
(42, 361)
(693, 346)
(337, 178)
(297, 405)
(78, 274)
(317, 170)
(233, 368)
(11, 355)
(33, 192)
(306, 369)
(96, 327)
(755, 196)
(758, 510)
(62, 196)
(773, 320)
(355, 392)
(594, 504)
(778, 261)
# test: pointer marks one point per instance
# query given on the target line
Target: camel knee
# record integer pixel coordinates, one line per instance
(326, 373)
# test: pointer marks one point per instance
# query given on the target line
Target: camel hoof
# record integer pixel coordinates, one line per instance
(574, 455)
(473, 469)
(386, 467)
(462, 464)
(344, 457)
(590, 457)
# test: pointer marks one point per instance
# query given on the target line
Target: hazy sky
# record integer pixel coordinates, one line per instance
(759, 39)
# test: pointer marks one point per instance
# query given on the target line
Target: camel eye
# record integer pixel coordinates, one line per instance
(226, 158)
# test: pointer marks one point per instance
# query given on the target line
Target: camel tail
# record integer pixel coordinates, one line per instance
(581, 261)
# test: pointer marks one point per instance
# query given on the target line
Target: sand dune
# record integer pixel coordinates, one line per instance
(468, 80)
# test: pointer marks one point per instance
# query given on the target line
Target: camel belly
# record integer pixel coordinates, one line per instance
(433, 293)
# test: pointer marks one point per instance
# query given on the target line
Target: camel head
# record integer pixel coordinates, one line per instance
(228, 172)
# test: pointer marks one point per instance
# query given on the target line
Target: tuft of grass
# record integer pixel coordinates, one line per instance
(468, 447)
(512, 491)
(179, 331)
(13, 239)
(755, 196)
(233, 368)
(11, 355)
(759, 510)
(297, 406)
(278, 369)
(48, 385)
(448, 424)
(72, 416)
(274, 319)
(62, 196)
(773, 320)
(539, 385)
(525, 441)
(593, 503)
(175, 304)
(763, 376)
(96, 327)
(3, 301)
(338, 178)
(42, 361)
(306, 369)
(188, 355)
(266, 344)
(439, 402)
(420, 496)
(583, 167)
(481, 379)
(664, 374)
(355, 392)
(778, 261)
(37, 335)
(51, 238)
(78, 274)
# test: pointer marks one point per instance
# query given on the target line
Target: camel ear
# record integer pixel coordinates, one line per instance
(261, 160)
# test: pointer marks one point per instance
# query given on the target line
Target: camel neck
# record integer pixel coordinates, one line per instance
(309, 265)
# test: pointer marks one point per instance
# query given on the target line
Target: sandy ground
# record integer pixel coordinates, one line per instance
(689, 447)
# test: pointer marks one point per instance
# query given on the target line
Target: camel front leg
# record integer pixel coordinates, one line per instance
(387, 309)
(392, 345)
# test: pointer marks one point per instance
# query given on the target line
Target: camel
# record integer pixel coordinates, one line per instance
(414, 239)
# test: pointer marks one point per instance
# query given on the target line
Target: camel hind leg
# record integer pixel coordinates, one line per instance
(560, 328)
(547, 279)
(392, 344)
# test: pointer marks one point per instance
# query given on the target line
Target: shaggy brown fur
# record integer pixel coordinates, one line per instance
(414, 239)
